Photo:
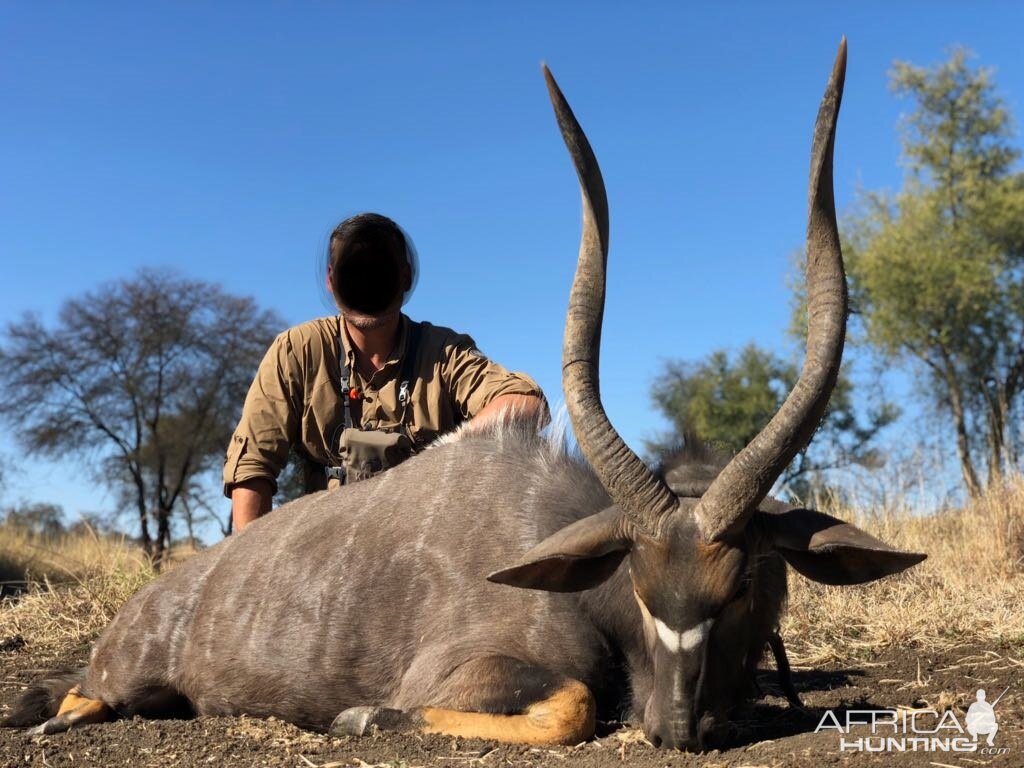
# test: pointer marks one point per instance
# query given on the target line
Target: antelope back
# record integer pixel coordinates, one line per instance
(376, 592)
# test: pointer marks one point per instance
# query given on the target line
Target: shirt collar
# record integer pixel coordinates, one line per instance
(396, 354)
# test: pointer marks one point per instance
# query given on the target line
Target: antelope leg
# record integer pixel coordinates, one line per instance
(521, 704)
(782, 665)
(75, 709)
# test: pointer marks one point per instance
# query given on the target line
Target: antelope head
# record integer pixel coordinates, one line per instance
(693, 554)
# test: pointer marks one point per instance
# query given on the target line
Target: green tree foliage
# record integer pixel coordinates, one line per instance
(936, 269)
(142, 379)
(725, 402)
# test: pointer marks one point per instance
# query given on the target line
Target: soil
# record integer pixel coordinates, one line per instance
(766, 733)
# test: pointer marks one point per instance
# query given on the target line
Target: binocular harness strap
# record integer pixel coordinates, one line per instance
(406, 383)
(406, 379)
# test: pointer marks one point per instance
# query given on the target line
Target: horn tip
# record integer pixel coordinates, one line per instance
(553, 90)
(839, 70)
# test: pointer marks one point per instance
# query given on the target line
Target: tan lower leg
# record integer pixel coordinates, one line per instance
(75, 709)
(566, 717)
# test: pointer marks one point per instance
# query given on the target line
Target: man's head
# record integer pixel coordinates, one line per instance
(371, 269)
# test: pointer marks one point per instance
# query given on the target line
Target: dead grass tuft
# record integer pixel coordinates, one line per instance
(26, 557)
(971, 587)
(73, 586)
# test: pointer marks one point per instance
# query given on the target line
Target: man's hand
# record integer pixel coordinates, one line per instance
(250, 499)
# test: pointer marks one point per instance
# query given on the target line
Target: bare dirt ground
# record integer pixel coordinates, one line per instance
(766, 733)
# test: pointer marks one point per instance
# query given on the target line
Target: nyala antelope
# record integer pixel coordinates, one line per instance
(406, 603)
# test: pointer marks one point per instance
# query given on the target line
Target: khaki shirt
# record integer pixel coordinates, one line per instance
(295, 398)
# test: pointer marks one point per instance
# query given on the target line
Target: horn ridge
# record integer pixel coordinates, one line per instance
(746, 480)
(643, 496)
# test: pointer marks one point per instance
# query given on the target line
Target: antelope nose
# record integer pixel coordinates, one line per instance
(666, 737)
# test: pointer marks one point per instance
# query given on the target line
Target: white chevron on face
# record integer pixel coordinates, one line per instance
(686, 640)
(675, 641)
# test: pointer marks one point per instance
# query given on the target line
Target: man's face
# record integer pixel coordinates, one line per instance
(369, 283)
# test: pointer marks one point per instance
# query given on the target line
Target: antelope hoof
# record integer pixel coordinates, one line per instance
(363, 721)
(57, 724)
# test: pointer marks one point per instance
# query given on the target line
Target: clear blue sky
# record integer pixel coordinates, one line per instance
(226, 139)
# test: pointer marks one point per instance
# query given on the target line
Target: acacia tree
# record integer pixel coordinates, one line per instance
(726, 402)
(937, 269)
(142, 378)
(42, 517)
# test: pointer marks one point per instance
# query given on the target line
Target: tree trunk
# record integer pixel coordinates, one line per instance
(163, 538)
(963, 445)
(187, 508)
(1000, 444)
(144, 538)
(995, 439)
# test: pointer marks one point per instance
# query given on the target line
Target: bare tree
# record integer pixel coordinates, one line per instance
(38, 517)
(143, 378)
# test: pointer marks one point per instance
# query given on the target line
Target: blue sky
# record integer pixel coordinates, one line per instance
(226, 140)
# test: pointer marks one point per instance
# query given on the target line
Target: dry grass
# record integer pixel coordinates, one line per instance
(971, 587)
(25, 556)
(75, 585)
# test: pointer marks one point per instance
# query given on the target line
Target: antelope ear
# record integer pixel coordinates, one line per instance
(830, 551)
(578, 557)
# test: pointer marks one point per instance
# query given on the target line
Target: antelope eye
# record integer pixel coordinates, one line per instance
(743, 588)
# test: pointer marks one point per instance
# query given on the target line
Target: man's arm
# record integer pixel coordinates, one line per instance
(250, 499)
(507, 408)
(267, 427)
(484, 390)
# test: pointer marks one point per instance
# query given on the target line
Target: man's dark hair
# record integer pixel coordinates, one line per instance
(371, 263)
